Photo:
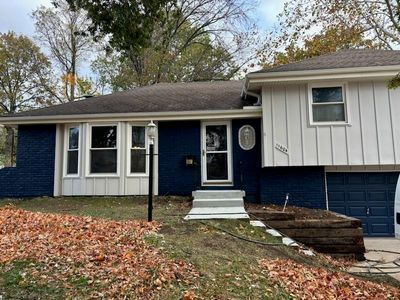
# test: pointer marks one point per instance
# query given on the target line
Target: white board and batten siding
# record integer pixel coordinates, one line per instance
(371, 137)
(120, 184)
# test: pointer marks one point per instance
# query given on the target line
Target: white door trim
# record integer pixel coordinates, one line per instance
(204, 180)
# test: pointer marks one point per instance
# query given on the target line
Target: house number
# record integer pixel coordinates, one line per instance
(281, 148)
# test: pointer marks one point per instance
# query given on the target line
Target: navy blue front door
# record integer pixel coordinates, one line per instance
(368, 196)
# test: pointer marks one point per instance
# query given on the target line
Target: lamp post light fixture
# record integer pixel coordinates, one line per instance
(151, 133)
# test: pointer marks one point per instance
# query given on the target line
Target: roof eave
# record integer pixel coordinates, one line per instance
(142, 116)
(344, 73)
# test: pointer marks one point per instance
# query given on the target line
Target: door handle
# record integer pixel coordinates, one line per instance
(367, 211)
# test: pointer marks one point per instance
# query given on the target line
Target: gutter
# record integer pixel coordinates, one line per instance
(287, 74)
(143, 116)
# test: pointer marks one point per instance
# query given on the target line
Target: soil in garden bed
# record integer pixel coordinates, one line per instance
(300, 213)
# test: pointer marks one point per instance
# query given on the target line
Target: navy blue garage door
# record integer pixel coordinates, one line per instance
(366, 196)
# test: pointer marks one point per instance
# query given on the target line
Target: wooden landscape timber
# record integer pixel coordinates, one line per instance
(339, 235)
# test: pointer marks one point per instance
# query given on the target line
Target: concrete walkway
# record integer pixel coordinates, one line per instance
(380, 261)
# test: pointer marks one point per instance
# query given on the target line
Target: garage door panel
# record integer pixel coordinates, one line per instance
(336, 180)
(368, 196)
(392, 178)
(355, 179)
(375, 179)
(360, 196)
(338, 209)
(357, 211)
(377, 228)
(377, 196)
(337, 196)
(378, 211)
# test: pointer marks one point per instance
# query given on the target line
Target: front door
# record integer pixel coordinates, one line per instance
(216, 153)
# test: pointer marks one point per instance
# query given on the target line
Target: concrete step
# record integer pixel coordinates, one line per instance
(218, 203)
(217, 210)
(219, 194)
(221, 204)
(216, 216)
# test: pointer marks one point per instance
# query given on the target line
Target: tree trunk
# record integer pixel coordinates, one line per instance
(73, 64)
(9, 147)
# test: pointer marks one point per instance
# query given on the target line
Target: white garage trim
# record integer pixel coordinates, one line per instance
(382, 168)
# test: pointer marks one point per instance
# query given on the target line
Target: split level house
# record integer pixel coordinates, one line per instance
(324, 132)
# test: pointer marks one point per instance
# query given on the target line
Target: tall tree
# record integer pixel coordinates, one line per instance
(175, 29)
(61, 30)
(376, 19)
(198, 61)
(332, 40)
(25, 78)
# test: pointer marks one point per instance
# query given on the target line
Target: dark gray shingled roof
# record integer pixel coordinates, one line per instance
(342, 59)
(163, 97)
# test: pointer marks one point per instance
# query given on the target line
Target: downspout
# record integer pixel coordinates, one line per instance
(245, 92)
(258, 96)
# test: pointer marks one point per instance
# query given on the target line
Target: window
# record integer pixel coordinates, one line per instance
(103, 149)
(73, 151)
(328, 104)
(138, 150)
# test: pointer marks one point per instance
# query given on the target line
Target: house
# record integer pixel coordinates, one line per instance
(324, 131)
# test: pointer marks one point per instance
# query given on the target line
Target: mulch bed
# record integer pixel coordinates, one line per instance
(301, 213)
(112, 256)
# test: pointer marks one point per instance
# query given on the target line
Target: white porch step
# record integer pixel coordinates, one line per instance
(217, 216)
(218, 194)
(220, 204)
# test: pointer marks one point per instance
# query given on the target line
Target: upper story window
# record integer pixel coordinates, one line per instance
(72, 150)
(138, 150)
(328, 104)
(103, 149)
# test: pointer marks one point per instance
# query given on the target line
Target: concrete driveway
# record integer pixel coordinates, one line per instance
(381, 261)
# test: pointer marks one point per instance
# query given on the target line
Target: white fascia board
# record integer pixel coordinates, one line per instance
(136, 117)
(324, 74)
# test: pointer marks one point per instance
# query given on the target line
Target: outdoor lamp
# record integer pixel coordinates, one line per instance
(151, 131)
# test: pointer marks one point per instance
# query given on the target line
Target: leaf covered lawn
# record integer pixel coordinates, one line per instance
(306, 282)
(109, 256)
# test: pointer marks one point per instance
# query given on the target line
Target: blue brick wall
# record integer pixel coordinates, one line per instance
(34, 173)
(306, 186)
(181, 138)
(176, 140)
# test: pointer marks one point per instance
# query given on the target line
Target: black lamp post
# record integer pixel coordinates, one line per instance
(151, 133)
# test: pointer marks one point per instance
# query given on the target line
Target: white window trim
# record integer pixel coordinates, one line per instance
(129, 148)
(229, 181)
(66, 150)
(345, 92)
(89, 148)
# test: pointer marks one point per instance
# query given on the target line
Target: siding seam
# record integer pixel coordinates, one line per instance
(361, 123)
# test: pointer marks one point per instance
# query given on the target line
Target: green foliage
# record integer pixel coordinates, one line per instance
(168, 41)
(25, 74)
(394, 83)
(200, 60)
(25, 82)
(128, 24)
(2, 146)
(329, 41)
(313, 27)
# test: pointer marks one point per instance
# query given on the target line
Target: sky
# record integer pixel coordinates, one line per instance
(15, 14)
